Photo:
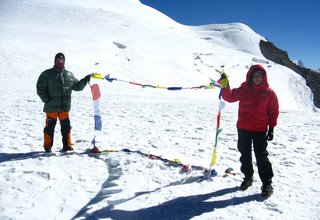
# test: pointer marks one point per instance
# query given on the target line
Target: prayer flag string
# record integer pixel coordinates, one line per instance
(211, 85)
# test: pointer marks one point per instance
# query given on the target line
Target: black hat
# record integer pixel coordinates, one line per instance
(59, 55)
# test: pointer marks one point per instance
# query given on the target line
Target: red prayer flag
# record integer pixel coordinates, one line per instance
(95, 92)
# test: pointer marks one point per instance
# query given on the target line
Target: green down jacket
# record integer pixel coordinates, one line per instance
(54, 87)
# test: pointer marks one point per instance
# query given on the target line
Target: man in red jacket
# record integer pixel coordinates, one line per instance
(257, 116)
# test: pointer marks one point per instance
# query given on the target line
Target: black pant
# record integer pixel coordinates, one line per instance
(246, 138)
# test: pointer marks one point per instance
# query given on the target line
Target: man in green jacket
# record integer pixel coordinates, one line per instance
(54, 87)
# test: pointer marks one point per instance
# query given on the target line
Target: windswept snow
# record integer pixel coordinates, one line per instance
(236, 36)
(134, 42)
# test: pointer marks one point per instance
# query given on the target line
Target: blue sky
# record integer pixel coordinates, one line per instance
(293, 26)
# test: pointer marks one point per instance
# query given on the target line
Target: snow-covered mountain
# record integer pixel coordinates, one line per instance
(133, 42)
(299, 63)
(156, 48)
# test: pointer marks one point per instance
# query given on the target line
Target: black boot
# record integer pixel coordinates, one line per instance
(47, 149)
(266, 190)
(247, 182)
(66, 148)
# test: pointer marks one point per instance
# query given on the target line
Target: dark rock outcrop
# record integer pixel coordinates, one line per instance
(271, 52)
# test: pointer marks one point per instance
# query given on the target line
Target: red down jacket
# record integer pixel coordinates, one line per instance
(258, 105)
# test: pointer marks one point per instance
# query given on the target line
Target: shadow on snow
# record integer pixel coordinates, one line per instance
(181, 208)
(5, 157)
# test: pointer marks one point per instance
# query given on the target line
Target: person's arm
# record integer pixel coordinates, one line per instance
(273, 112)
(42, 88)
(79, 85)
(228, 94)
(231, 95)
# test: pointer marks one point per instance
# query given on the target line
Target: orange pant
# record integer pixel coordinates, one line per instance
(51, 121)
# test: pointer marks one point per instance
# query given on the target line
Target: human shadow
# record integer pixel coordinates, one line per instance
(108, 188)
(5, 157)
(181, 208)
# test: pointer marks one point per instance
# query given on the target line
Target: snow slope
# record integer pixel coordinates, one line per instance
(134, 42)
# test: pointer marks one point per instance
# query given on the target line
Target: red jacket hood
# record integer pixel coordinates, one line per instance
(252, 69)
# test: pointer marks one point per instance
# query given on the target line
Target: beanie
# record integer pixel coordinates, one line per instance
(59, 55)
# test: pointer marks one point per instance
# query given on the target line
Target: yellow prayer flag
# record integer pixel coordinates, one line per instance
(97, 76)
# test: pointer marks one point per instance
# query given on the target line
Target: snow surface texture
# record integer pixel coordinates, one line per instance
(134, 42)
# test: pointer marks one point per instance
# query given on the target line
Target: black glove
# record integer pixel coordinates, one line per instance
(270, 134)
(87, 78)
